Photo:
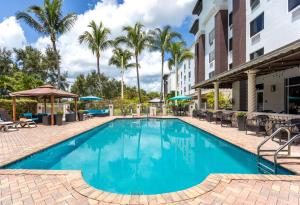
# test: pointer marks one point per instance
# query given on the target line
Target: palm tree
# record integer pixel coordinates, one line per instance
(137, 40)
(178, 55)
(121, 59)
(160, 41)
(50, 21)
(97, 40)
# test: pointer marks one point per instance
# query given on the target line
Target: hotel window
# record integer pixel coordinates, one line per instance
(257, 53)
(293, 4)
(211, 74)
(184, 66)
(254, 3)
(211, 56)
(190, 87)
(230, 19)
(257, 25)
(184, 89)
(230, 44)
(230, 66)
(292, 95)
(190, 75)
(211, 37)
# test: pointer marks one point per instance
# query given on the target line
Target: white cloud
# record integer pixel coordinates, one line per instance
(77, 58)
(11, 34)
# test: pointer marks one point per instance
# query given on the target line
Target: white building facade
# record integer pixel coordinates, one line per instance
(255, 31)
(186, 76)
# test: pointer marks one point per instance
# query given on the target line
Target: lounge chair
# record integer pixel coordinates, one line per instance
(202, 115)
(5, 121)
(293, 125)
(23, 122)
(210, 116)
(29, 115)
(226, 119)
(257, 124)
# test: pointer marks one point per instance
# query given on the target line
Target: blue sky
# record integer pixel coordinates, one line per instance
(115, 14)
(78, 6)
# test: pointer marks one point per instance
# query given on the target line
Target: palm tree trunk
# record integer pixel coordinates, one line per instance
(138, 77)
(122, 85)
(53, 40)
(98, 64)
(176, 78)
(162, 76)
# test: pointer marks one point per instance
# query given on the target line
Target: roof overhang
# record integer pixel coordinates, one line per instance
(198, 8)
(280, 59)
(195, 27)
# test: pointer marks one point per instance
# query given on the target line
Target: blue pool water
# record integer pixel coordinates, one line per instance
(140, 156)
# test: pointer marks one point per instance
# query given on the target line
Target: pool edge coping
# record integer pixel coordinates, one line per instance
(211, 182)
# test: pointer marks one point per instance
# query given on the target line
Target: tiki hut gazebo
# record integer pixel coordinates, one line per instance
(46, 91)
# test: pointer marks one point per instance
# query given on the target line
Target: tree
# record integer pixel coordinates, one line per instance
(137, 40)
(97, 40)
(160, 41)
(7, 66)
(49, 20)
(178, 55)
(30, 61)
(121, 60)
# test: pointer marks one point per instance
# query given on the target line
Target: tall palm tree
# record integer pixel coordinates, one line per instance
(121, 59)
(50, 21)
(137, 40)
(97, 40)
(178, 55)
(160, 41)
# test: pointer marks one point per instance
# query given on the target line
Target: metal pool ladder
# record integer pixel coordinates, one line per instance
(267, 167)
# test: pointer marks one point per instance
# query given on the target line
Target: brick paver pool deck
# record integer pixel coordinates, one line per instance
(68, 187)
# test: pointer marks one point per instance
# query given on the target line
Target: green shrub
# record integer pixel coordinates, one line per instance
(23, 106)
(241, 114)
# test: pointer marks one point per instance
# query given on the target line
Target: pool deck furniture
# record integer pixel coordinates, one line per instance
(52, 187)
(257, 124)
(30, 116)
(26, 123)
(45, 91)
(226, 119)
(5, 126)
(98, 113)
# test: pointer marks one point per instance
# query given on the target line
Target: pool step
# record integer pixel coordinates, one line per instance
(265, 168)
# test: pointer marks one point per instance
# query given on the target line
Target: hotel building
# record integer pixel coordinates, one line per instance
(251, 47)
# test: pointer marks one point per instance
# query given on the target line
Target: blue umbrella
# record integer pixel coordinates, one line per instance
(181, 97)
(90, 98)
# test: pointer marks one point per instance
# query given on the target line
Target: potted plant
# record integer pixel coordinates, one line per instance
(80, 115)
(241, 121)
(59, 117)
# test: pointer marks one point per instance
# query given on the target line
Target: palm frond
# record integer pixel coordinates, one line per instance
(30, 21)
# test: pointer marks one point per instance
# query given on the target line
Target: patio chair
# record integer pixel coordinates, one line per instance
(217, 117)
(293, 125)
(257, 124)
(202, 115)
(209, 116)
(5, 121)
(195, 113)
(226, 119)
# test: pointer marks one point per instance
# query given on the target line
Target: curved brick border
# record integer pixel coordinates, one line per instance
(79, 185)
(187, 196)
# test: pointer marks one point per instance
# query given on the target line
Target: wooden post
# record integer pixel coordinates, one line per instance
(14, 104)
(76, 110)
(45, 105)
(52, 109)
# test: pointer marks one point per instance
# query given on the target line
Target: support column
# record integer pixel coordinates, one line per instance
(52, 109)
(45, 105)
(251, 91)
(216, 95)
(76, 108)
(14, 104)
(199, 98)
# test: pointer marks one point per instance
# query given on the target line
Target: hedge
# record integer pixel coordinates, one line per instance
(23, 106)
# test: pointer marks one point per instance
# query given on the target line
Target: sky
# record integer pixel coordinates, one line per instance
(77, 58)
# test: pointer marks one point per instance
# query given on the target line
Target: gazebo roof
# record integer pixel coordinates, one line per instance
(44, 91)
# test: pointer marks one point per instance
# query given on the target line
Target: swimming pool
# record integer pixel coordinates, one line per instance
(144, 156)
